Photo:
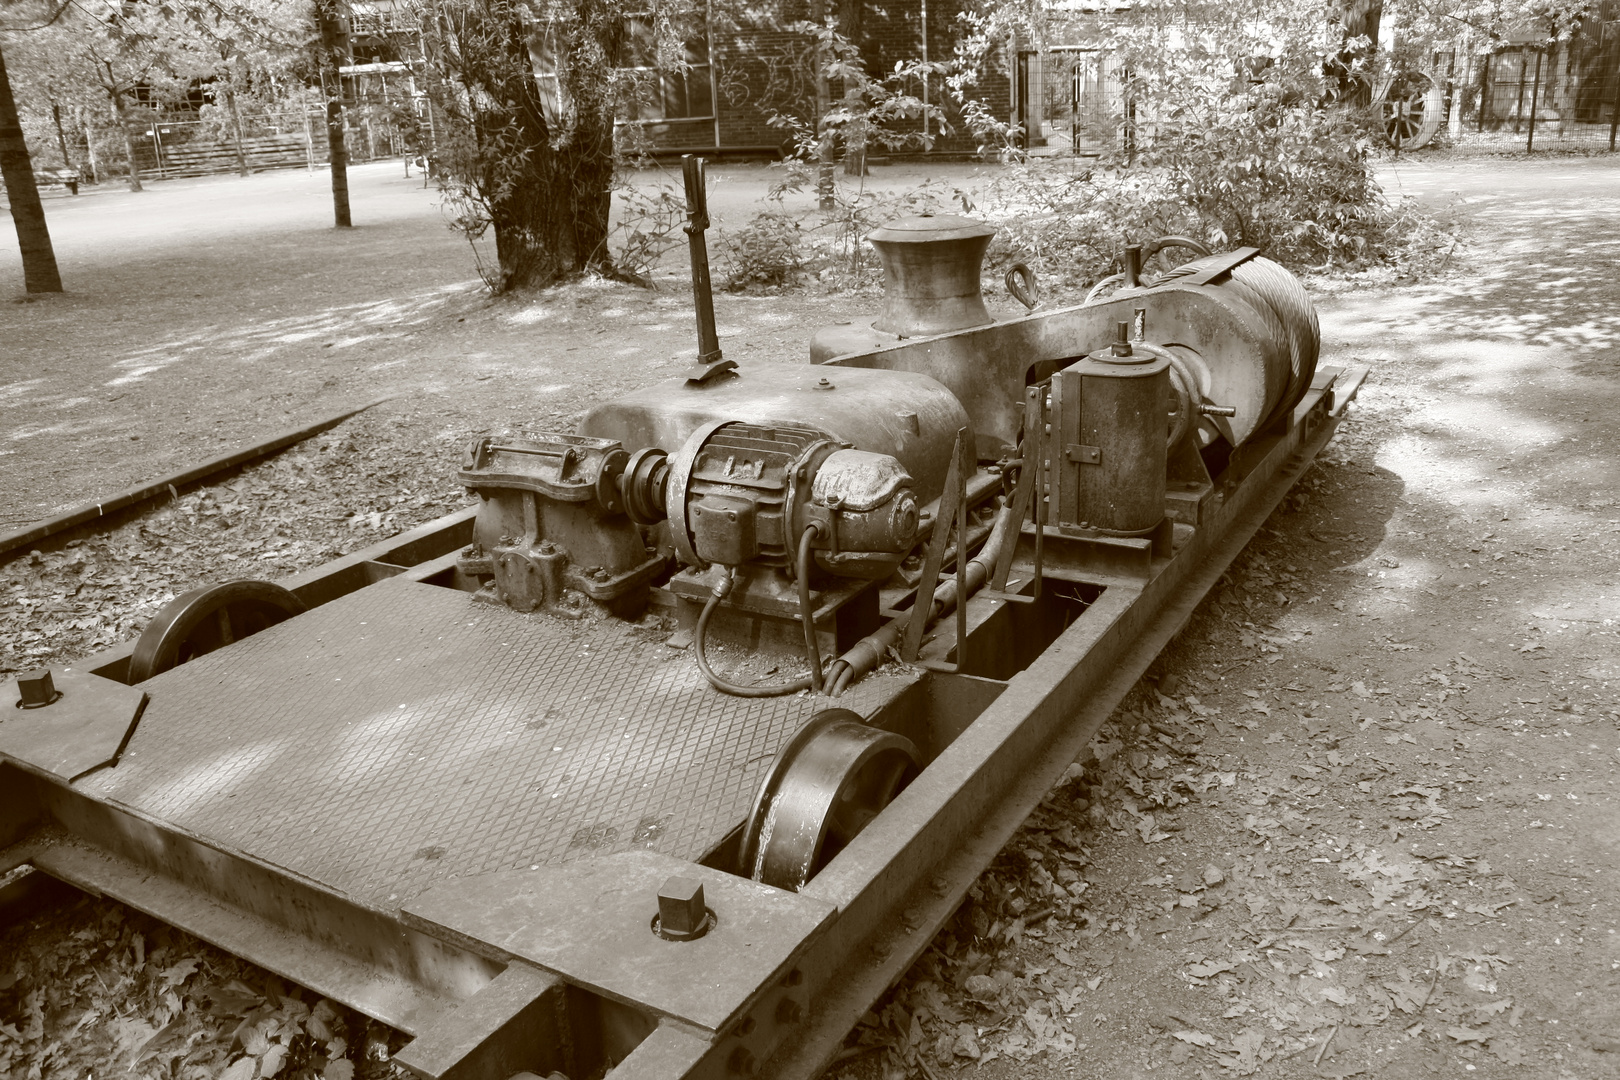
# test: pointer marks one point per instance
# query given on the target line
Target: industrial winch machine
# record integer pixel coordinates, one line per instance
(670, 755)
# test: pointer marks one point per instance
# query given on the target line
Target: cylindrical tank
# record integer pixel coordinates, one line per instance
(931, 269)
(1108, 443)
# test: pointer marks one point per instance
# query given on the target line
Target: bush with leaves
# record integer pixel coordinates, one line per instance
(766, 252)
(1230, 104)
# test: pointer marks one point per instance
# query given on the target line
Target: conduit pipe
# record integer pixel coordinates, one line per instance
(869, 652)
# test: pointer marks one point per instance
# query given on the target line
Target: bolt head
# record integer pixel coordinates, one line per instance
(788, 1011)
(681, 910)
(36, 688)
(743, 1062)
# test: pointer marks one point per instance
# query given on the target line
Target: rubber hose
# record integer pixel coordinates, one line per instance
(868, 653)
(716, 681)
(807, 615)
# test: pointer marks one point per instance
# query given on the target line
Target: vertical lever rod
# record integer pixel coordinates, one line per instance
(965, 464)
(697, 220)
(945, 513)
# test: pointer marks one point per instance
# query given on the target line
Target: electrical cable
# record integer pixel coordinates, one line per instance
(717, 594)
(807, 614)
(869, 652)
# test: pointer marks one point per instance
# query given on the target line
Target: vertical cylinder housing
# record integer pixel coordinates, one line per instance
(1109, 441)
(931, 270)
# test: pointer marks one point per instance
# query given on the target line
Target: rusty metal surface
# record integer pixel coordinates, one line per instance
(907, 415)
(985, 367)
(907, 873)
(591, 922)
(403, 735)
(83, 729)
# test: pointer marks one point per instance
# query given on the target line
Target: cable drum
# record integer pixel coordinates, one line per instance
(1282, 303)
(1292, 306)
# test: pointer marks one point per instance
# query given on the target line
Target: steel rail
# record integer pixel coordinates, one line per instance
(135, 496)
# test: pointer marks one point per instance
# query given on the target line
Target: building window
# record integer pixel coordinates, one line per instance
(655, 93)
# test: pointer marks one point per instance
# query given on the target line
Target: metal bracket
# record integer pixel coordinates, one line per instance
(1031, 467)
(708, 369)
(952, 507)
(1083, 455)
(1223, 264)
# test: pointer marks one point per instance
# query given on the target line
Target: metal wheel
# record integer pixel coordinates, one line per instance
(1412, 110)
(206, 619)
(827, 784)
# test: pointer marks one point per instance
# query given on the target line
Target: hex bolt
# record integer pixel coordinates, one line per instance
(793, 978)
(1122, 339)
(682, 915)
(36, 689)
(745, 1027)
(743, 1062)
(788, 1011)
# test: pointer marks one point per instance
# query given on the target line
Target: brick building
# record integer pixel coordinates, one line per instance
(741, 71)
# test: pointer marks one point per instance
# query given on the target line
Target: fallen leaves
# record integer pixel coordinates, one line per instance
(331, 495)
(121, 990)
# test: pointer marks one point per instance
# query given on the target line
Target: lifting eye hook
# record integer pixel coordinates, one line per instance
(1022, 285)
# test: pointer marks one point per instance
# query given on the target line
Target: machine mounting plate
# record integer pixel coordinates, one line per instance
(403, 736)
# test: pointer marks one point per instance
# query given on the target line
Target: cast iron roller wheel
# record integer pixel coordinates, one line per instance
(206, 619)
(832, 778)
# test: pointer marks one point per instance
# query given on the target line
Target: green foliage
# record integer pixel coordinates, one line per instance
(648, 228)
(872, 112)
(1229, 109)
(768, 251)
(1068, 225)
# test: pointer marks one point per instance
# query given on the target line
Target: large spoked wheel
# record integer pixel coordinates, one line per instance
(1412, 111)
(206, 619)
(827, 784)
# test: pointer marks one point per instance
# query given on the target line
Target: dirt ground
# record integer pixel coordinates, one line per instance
(1407, 872)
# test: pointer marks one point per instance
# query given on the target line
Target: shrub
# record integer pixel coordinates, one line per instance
(767, 251)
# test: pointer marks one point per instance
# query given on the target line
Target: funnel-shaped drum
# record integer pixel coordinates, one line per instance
(931, 268)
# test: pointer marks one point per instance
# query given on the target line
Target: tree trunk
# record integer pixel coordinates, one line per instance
(117, 95)
(17, 170)
(90, 149)
(1360, 19)
(329, 20)
(61, 136)
(548, 204)
(236, 130)
(825, 136)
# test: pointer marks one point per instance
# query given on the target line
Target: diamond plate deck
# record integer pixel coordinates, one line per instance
(403, 735)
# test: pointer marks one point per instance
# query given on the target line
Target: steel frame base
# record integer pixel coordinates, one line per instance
(556, 970)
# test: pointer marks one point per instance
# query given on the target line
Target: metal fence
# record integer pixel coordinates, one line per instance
(187, 147)
(1565, 98)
